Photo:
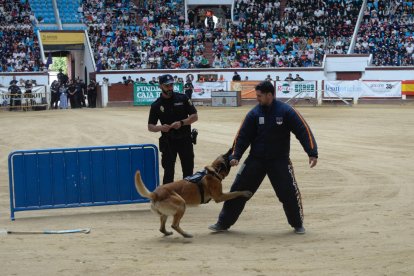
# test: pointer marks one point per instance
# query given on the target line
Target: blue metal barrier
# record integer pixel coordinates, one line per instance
(78, 177)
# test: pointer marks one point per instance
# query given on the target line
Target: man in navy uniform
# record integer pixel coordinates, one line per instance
(189, 88)
(92, 93)
(266, 129)
(15, 95)
(176, 113)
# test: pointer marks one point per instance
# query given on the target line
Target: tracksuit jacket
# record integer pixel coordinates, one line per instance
(267, 130)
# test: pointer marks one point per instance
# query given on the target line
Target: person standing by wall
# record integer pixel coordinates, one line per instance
(13, 81)
(266, 129)
(15, 95)
(92, 92)
(80, 92)
(63, 96)
(54, 94)
(236, 77)
(188, 89)
(298, 78)
(289, 78)
(176, 113)
(63, 78)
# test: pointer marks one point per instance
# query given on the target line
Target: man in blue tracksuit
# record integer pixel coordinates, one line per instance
(266, 129)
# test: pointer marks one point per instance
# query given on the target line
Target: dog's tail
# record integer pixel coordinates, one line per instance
(141, 189)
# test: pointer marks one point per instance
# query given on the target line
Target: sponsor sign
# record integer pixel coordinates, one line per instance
(381, 89)
(146, 94)
(362, 89)
(38, 93)
(343, 89)
(297, 89)
(246, 88)
(62, 38)
(202, 90)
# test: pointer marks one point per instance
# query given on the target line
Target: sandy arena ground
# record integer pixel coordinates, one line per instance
(358, 201)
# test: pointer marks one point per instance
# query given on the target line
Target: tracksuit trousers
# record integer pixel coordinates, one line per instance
(250, 176)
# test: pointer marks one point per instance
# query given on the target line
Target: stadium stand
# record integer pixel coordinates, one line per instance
(19, 46)
(387, 33)
(153, 34)
(69, 11)
(161, 41)
(43, 10)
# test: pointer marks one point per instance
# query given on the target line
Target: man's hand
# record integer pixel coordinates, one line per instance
(176, 125)
(234, 162)
(165, 128)
(157, 128)
(313, 161)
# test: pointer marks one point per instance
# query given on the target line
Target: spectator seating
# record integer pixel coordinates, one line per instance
(68, 11)
(387, 33)
(43, 10)
(293, 33)
(19, 47)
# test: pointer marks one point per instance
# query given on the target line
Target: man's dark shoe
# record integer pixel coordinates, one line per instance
(217, 228)
(300, 230)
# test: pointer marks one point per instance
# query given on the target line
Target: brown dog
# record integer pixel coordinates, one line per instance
(171, 199)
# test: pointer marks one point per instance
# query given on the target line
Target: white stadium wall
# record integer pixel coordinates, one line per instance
(332, 65)
(40, 78)
(389, 73)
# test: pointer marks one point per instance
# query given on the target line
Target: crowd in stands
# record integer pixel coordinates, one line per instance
(265, 34)
(387, 32)
(305, 31)
(19, 46)
(154, 36)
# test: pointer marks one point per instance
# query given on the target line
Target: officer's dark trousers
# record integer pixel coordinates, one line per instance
(54, 100)
(184, 148)
(251, 175)
(91, 99)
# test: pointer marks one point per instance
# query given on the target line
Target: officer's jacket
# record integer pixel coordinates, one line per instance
(55, 87)
(15, 91)
(168, 111)
(266, 129)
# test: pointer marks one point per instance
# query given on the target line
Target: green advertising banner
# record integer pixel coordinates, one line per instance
(146, 94)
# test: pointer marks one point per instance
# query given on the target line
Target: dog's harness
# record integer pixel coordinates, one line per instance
(196, 179)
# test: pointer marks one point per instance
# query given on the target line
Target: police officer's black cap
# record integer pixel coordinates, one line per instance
(166, 79)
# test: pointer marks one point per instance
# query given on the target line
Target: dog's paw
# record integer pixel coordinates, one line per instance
(247, 194)
(166, 233)
(187, 235)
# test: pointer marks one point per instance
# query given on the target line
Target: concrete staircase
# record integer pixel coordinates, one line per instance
(282, 8)
(208, 52)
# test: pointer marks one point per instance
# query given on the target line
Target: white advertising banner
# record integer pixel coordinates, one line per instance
(202, 90)
(381, 89)
(343, 89)
(300, 89)
(38, 92)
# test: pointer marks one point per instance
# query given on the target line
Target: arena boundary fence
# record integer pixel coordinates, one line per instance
(80, 177)
(314, 92)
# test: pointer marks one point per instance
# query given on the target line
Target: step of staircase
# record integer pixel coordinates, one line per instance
(208, 52)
